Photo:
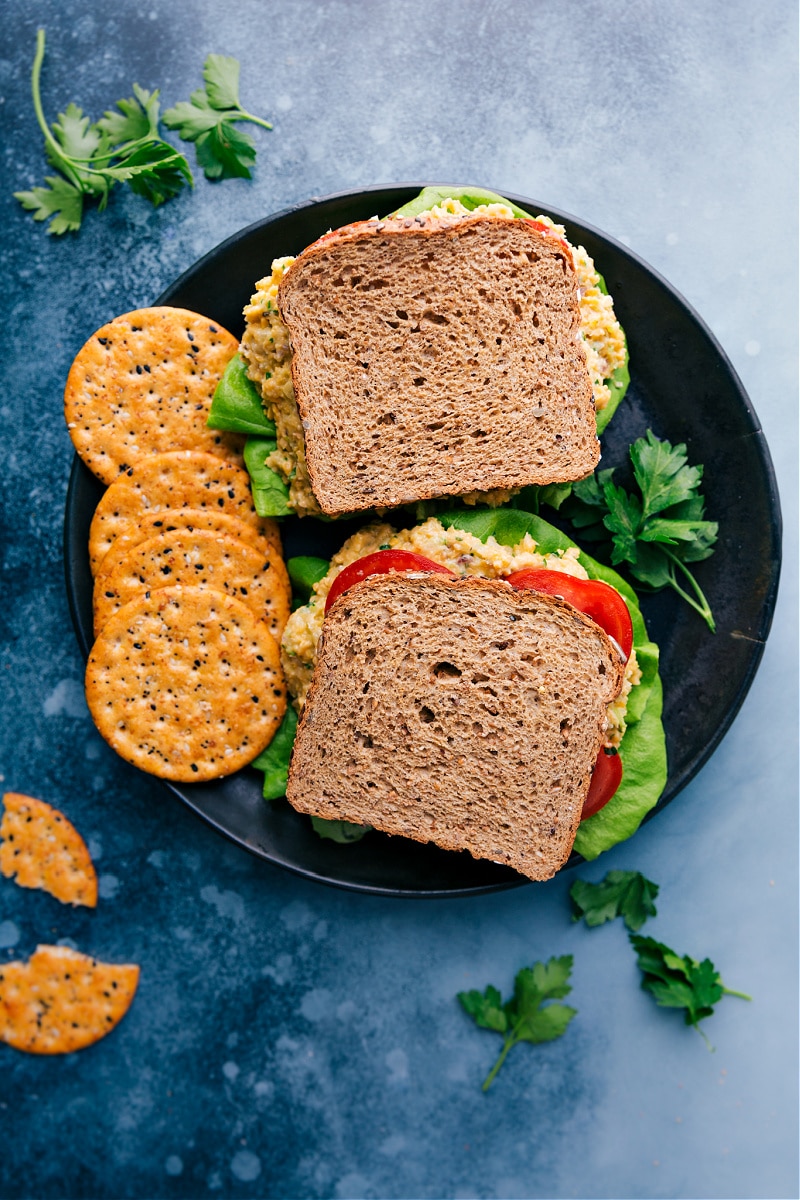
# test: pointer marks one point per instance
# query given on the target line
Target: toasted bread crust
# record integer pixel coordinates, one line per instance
(456, 711)
(435, 359)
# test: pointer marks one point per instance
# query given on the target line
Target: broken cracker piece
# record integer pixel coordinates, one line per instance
(41, 849)
(61, 1000)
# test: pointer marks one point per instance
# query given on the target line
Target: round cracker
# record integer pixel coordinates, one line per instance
(175, 479)
(199, 558)
(186, 684)
(61, 1000)
(193, 519)
(144, 384)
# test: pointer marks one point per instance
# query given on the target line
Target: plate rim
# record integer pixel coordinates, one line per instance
(673, 786)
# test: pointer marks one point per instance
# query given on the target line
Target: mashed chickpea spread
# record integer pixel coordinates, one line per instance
(464, 554)
(267, 351)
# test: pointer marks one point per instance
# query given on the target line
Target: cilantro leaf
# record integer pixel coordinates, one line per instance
(525, 1017)
(208, 118)
(677, 981)
(625, 894)
(656, 530)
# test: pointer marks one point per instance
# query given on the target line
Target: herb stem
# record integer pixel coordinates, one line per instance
(703, 607)
(507, 1044)
(705, 1037)
(732, 992)
(246, 116)
(64, 164)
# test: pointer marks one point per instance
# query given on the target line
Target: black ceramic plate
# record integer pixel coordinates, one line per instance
(682, 387)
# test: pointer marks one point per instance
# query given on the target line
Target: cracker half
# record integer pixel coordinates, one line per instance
(199, 559)
(186, 684)
(61, 1000)
(144, 384)
(39, 848)
(173, 480)
(193, 519)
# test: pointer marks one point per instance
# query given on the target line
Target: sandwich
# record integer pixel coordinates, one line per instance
(484, 691)
(458, 348)
(463, 712)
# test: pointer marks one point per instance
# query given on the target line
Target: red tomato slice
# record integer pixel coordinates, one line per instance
(380, 563)
(606, 778)
(542, 228)
(598, 600)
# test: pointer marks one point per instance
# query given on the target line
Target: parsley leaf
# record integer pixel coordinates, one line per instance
(658, 531)
(124, 146)
(61, 200)
(222, 81)
(207, 119)
(524, 1018)
(77, 138)
(625, 894)
(680, 982)
(137, 118)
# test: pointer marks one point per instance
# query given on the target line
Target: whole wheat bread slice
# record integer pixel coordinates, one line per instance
(460, 712)
(436, 359)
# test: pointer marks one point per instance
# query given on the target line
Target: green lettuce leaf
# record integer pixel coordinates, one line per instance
(236, 405)
(274, 761)
(617, 382)
(270, 493)
(643, 747)
(339, 831)
(470, 197)
(304, 571)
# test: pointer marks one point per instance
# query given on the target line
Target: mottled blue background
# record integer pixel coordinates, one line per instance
(288, 1039)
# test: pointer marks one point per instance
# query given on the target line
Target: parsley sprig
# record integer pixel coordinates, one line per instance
(124, 146)
(658, 531)
(626, 894)
(525, 1017)
(680, 981)
(208, 118)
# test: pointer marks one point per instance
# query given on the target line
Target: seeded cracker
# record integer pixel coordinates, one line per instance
(186, 684)
(201, 559)
(41, 849)
(173, 480)
(60, 1000)
(193, 519)
(143, 384)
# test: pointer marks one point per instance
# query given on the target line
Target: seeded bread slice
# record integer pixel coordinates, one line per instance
(437, 358)
(460, 712)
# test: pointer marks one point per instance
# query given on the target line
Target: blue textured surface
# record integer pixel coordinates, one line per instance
(290, 1040)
